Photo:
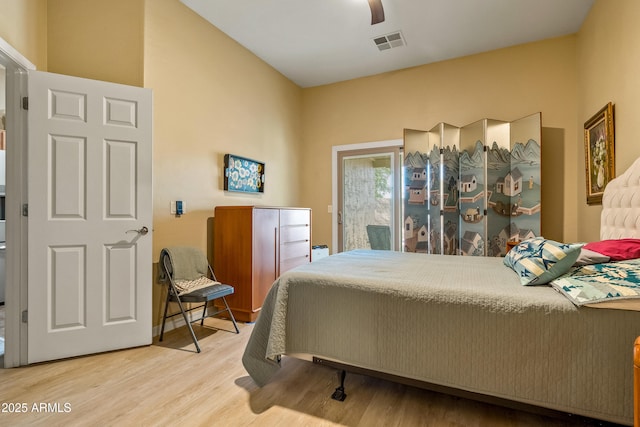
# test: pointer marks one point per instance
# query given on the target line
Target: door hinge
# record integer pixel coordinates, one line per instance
(25, 102)
(25, 316)
(25, 209)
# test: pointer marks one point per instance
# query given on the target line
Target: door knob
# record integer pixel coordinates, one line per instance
(143, 231)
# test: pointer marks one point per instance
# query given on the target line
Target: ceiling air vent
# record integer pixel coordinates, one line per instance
(389, 41)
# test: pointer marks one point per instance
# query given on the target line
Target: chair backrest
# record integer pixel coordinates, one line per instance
(184, 263)
(379, 237)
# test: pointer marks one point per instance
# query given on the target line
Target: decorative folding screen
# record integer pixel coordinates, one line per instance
(470, 189)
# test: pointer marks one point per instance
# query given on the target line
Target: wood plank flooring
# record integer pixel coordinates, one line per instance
(168, 382)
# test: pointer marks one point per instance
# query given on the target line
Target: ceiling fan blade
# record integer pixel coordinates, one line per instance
(377, 12)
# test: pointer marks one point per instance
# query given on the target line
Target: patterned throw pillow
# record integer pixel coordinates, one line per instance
(538, 261)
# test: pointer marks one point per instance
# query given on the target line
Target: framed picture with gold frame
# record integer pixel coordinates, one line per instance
(599, 153)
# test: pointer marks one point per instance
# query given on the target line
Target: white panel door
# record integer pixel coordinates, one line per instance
(89, 216)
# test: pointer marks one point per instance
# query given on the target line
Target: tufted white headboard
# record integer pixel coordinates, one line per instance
(621, 206)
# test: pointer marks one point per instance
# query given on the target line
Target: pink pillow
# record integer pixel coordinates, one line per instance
(616, 249)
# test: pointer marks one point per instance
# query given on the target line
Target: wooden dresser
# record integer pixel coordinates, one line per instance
(253, 246)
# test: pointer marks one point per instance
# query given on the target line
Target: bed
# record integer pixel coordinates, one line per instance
(461, 323)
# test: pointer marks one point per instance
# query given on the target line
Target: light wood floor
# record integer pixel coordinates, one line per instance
(167, 383)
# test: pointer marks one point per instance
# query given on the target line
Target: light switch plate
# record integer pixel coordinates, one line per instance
(174, 211)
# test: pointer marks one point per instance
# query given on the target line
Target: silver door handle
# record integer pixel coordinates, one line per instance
(339, 217)
(143, 231)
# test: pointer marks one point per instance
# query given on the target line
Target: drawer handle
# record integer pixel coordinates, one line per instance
(291, 242)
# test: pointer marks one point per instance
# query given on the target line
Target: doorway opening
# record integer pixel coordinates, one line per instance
(14, 184)
(367, 193)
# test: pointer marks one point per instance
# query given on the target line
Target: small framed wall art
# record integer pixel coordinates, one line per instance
(599, 153)
(243, 174)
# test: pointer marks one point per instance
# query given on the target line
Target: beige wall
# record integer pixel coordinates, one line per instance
(97, 39)
(608, 55)
(23, 24)
(505, 84)
(211, 97)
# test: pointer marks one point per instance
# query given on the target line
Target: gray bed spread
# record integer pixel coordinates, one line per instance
(462, 322)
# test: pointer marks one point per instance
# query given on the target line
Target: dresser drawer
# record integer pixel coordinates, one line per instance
(292, 262)
(294, 254)
(295, 217)
(294, 250)
(295, 233)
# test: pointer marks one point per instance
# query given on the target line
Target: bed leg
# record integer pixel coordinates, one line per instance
(339, 394)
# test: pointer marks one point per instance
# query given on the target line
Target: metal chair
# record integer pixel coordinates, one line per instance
(191, 279)
(379, 237)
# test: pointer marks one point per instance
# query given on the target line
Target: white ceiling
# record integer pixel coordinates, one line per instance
(316, 42)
